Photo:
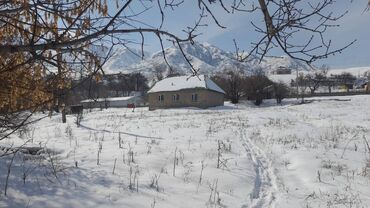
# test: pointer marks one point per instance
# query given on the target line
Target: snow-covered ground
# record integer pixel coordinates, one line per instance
(311, 155)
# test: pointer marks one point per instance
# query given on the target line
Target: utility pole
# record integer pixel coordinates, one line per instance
(296, 83)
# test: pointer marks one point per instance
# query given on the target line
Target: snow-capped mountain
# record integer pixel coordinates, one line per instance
(272, 63)
(123, 58)
(207, 58)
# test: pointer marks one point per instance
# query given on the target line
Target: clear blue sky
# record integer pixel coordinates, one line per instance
(355, 25)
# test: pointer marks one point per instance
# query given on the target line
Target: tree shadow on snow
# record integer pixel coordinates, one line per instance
(41, 183)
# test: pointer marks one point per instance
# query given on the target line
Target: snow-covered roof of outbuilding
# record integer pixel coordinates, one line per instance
(185, 82)
(108, 99)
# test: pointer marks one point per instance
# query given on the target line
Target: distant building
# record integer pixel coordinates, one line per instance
(282, 70)
(185, 91)
(114, 102)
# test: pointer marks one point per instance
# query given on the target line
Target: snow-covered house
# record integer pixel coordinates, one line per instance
(115, 102)
(185, 91)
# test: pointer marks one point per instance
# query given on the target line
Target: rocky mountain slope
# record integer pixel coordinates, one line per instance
(207, 58)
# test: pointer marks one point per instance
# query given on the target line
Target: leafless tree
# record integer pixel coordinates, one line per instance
(159, 71)
(316, 79)
(286, 20)
(258, 87)
(345, 79)
(281, 91)
(231, 81)
(302, 83)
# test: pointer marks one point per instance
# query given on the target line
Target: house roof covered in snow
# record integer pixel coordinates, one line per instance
(108, 99)
(185, 82)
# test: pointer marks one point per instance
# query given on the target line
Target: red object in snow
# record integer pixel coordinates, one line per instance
(131, 105)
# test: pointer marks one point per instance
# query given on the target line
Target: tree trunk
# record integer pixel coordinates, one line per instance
(64, 117)
(278, 100)
(312, 91)
(60, 92)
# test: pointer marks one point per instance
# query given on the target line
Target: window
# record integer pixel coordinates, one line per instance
(175, 97)
(161, 98)
(194, 97)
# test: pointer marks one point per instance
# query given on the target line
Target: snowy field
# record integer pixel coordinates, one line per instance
(289, 156)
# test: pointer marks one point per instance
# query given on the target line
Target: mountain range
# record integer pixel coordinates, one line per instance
(207, 58)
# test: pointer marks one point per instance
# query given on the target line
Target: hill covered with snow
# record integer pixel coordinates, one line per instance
(124, 58)
(207, 58)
